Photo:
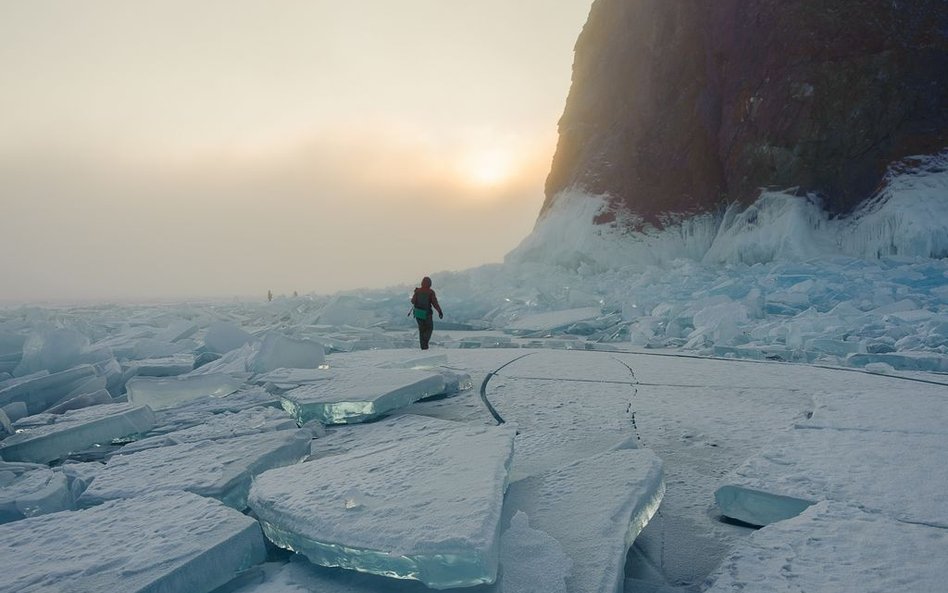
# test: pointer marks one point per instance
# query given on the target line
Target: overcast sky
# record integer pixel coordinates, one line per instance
(183, 148)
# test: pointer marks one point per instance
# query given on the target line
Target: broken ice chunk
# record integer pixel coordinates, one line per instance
(220, 469)
(278, 351)
(200, 410)
(427, 508)
(359, 395)
(161, 542)
(554, 320)
(595, 508)
(52, 350)
(166, 392)
(219, 426)
(28, 490)
(756, 507)
(77, 430)
(82, 401)
(42, 391)
(6, 427)
(170, 366)
(224, 337)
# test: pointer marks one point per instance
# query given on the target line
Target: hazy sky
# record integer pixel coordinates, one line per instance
(226, 147)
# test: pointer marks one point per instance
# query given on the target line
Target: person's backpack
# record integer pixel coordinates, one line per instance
(422, 304)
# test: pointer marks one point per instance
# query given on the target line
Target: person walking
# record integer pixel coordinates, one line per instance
(423, 301)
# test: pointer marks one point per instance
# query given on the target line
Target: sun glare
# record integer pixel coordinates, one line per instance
(487, 168)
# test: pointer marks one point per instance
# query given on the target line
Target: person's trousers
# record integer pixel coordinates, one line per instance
(425, 327)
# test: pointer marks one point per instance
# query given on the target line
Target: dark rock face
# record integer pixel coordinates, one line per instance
(681, 106)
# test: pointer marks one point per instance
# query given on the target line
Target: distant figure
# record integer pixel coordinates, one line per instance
(423, 301)
(269, 296)
(295, 294)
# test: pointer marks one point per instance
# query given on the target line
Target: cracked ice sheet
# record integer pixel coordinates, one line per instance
(77, 430)
(218, 469)
(360, 394)
(425, 508)
(836, 548)
(902, 475)
(160, 542)
(566, 419)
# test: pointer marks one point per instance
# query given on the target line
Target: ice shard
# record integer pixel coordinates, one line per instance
(278, 351)
(44, 390)
(219, 426)
(426, 508)
(82, 401)
(839, 548)
(221, 469)
(169, 366)
(595, 508)
(359, 395)
(77, 430)
(28, 490)
(167, 392)
(160, 542)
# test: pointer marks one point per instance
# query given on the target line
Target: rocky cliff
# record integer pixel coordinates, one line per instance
(681, 106)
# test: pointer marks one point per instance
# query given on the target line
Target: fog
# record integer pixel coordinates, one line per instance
(230, 148)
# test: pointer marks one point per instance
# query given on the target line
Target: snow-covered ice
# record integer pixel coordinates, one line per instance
(359, 395)
(77, 430)
(837, 548)
(172, 541)
(427, 508)
(221, 469)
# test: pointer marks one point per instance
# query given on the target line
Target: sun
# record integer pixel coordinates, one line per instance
(487, 168)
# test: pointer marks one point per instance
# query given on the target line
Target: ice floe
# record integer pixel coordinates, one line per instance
(427, 509)
(160, 542)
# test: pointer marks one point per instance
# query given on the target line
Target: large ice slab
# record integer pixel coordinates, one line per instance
(595, 508)
(279, 351)
(85, 400)
(167, 392)
(161, 542)
(43, 390)
(386, 432)
(77, 430)
(220, 469)
(219, 426)
(899, 474)
(840, 549)
(427, 508)
(361, 394)
(28, 490)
